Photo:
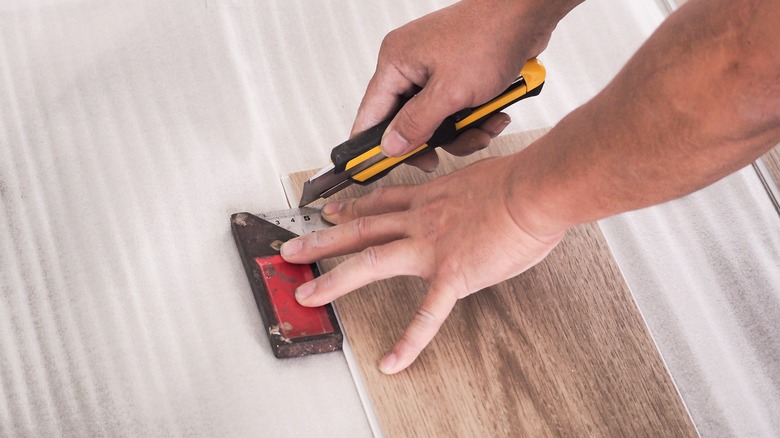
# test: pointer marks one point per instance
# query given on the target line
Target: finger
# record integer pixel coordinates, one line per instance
(420, 116)
(435, 308)
(426, 161)
(343, 239)
(474, 140)
(496, 124)
(383, 95)
(400, 257)
(381, 201)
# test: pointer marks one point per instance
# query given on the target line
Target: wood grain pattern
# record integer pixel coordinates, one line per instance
(558, 350)
(772, 161)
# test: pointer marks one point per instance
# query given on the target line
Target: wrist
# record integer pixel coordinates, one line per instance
(530, 201)
(525, 25)
(543, 13)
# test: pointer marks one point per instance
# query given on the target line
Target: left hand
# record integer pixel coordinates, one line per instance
(456, 232)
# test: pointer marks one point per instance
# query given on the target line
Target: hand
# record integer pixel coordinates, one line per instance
(458, 57)
(456, 232)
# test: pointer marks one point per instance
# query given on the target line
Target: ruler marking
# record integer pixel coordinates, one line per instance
(297, 220)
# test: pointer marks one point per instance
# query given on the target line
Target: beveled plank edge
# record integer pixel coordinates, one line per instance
(359, 380)
(293, 195)
(768, 170)
(649, 331)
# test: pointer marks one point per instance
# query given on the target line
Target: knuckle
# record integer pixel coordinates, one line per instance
(454, 279)
(370, 259)
(392, 48)
(389, 40)
(458, 97)
(431, 232)
(361, 228)
(325, 281)
(311, 240)
(480, 140)
(349, 209)
(480, 145)
(408, 122)
(469, 143)
(427, 319)
(379, 194)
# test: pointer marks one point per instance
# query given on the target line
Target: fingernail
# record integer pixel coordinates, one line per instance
(387, 363)
(332, 208)
(393, 144)
(305, 290)
(499, 129)
(291, 247)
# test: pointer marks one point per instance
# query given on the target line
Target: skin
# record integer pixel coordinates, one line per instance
(433, 64)
(713, 108)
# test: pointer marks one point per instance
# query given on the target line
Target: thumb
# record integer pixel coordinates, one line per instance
(417, 120)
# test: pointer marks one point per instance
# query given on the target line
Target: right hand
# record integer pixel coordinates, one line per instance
(461, 232)
(458, 57)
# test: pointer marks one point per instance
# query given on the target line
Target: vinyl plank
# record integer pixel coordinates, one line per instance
(772, 161)
(559, 350)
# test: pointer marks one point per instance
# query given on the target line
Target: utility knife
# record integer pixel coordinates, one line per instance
(360, 159)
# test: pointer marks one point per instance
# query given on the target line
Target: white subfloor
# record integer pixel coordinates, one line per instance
(130, 131)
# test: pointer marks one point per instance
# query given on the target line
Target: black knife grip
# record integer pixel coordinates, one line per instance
(444, 134)
(357, 145)
(372, 137)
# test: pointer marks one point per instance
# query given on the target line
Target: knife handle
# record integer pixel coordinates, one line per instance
(363, 150)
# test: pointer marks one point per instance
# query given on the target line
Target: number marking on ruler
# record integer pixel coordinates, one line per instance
(298, 220)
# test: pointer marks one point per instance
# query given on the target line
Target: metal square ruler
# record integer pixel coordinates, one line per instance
(300, 221)
(293, 330)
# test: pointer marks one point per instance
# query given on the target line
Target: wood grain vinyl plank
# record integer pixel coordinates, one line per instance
(772, 161)
(558, 350)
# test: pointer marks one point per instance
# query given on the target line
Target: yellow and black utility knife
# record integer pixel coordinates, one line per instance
(360, 159)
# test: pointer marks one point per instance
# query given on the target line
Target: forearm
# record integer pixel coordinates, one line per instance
(698, 101)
